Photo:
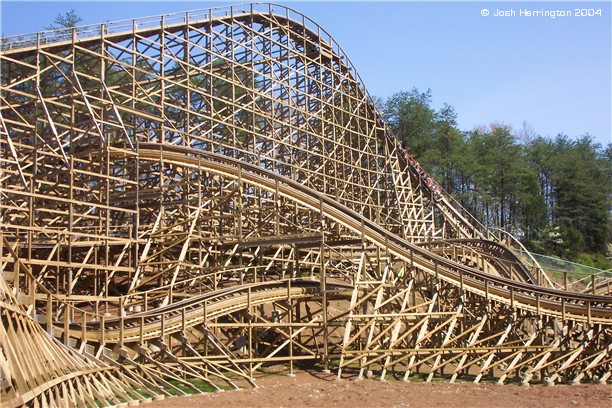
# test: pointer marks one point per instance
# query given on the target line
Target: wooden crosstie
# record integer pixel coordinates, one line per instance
(187, 198)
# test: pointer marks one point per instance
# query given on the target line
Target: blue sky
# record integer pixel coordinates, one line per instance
(552, 74)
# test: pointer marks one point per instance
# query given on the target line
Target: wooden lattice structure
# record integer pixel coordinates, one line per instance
(188, 197)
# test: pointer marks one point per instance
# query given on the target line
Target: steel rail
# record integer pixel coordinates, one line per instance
(173, 318)
(494, 251)
(582, 307)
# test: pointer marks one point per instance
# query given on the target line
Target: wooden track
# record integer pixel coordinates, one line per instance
(186, 198)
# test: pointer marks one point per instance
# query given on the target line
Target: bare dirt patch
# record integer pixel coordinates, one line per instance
(314, 389)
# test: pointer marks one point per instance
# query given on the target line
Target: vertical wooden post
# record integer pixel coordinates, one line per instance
(290, 321)
(323, 289)
(84, 328)
(48, 317)
(67, 324)
(102, 331)
(250, 330)
(141, 335)
(589, 312)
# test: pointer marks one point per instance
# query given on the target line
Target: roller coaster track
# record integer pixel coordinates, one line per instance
(186, 198)
(419, 257)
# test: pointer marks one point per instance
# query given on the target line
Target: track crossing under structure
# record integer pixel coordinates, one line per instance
(189, 197)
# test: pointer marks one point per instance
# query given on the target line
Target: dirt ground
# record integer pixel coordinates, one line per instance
(314, 389)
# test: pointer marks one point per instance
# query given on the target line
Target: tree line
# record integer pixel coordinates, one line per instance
(554, 194)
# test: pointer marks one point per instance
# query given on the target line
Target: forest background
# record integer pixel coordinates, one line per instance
(553, 194)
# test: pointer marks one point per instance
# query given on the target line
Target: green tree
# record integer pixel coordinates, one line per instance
(432, 136)
(66, 20)
(540, 158)
(555, 194)
(500, 173)
(412, 119)
(581, 192)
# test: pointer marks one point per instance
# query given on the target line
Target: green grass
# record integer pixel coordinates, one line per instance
(202, 386)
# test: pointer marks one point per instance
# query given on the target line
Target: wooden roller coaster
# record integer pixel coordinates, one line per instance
(186, 198)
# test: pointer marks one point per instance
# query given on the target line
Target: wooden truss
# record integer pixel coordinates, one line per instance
(187, 198)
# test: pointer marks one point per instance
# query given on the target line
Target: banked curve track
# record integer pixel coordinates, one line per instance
(578, 307)
(187, 198)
